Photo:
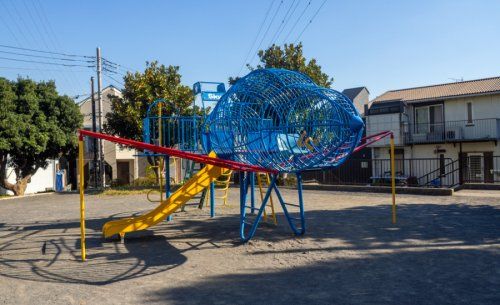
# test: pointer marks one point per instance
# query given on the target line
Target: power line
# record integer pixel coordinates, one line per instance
(47, 52)
(38, 8)
(46, 62)
(297, 21)
(310, 21)
(256, 36)
(48, 57)
(268, 27)
(118, 65)
(114, 79)
(25, 27)
(283, 23)
(71, 77)
(111, 71)
(37, 69)
(21, 31)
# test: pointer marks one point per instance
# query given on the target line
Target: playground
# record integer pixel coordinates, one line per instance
(208, 236)
(443, 250)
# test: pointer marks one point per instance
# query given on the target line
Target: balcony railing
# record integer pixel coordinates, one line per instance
(452, 131)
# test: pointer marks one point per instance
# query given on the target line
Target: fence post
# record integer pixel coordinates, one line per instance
(461, 168)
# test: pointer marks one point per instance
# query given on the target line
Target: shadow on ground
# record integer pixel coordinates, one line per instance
(415, 265)
(422, 277)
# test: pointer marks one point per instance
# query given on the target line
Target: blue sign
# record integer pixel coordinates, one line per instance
(211, 96)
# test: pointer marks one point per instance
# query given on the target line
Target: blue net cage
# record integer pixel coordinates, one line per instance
(282, 120)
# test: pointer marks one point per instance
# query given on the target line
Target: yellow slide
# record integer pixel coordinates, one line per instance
(193, 186)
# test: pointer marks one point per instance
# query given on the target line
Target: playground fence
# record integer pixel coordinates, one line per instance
(423, 172)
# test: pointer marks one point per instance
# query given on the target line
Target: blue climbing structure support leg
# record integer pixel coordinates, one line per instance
(167, 181)
(297, 224)
(252, 191)
(212, 199)
(247, 226)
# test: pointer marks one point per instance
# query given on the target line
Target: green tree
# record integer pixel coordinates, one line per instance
(36, 124)
(141, 89)
(290, 57)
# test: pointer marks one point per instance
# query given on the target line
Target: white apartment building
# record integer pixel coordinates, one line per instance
(458, 123)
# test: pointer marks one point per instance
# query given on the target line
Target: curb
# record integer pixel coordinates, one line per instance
(26, 196)
(381, 189)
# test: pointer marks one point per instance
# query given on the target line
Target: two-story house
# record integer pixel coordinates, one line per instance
(123, 165)
(458, 123)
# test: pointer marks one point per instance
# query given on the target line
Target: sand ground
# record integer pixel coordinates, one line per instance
(443, 250)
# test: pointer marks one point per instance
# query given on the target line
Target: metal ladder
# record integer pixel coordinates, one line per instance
(264, 181)
(221, 185)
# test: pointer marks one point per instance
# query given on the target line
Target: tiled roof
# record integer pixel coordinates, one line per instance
(442, 91)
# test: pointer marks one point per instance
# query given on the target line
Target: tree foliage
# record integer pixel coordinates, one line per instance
(141, 89)
(290, 57)
(36, 124)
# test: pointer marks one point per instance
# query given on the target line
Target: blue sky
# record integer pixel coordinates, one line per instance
(379, 44)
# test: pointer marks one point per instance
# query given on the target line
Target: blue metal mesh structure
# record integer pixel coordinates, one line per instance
(282, 120)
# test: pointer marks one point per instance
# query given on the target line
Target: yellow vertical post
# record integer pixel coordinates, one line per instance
(393, 180)
(82, 196)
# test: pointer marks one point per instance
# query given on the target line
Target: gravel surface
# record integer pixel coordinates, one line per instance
(443, 250)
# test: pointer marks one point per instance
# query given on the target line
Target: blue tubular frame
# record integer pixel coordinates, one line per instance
(243, 192)
(291, 220)
(212, 199)
(245, 234)
(167, 181)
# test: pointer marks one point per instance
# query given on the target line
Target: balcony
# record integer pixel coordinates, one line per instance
(452, 131)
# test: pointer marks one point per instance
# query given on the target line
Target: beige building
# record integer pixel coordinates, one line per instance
(458, 123)
(123, 165)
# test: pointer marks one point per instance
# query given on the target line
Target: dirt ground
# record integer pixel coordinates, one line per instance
(443, 250)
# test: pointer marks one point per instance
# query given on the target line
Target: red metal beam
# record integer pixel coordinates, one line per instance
(238, 166)
(372, 139)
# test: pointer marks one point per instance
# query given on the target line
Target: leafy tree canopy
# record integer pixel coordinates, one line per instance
(290, 57)
(36, 124)
(141, 89)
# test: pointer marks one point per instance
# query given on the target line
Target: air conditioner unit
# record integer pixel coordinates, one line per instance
(453, 133)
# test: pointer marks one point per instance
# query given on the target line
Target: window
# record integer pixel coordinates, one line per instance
(469, 113)
(429, 119)
(421, 119)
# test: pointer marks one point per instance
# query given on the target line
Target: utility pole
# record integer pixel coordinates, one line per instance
(96, 164)
(99, 99)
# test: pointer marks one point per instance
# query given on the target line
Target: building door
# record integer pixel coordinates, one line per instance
(488, 167)
(123, 172)
(475, 167)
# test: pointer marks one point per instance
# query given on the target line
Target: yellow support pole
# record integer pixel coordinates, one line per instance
(82, 197)
(393, 180)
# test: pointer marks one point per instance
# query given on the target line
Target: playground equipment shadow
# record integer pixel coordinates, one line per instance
(441, 251)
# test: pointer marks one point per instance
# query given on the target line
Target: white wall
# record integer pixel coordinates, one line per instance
(483, 107)
(384, 122)
(43, 180)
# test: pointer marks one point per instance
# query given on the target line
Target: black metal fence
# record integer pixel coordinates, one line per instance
(423, 172)
(480, 168)
(428, 172)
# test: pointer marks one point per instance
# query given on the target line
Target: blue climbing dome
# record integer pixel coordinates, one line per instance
(282, 120)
